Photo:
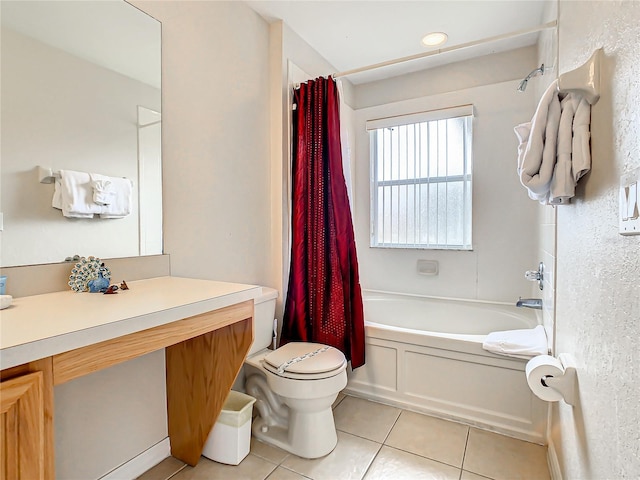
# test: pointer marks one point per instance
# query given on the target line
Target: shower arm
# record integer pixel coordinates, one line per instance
(533, 73)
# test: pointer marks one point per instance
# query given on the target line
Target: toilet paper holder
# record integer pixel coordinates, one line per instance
(565, 384)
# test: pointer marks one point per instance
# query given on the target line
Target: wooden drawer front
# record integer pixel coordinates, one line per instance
(22, 428)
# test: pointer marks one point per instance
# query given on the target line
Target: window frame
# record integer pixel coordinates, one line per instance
(466, 177)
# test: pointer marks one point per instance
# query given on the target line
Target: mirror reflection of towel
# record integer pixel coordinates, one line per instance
(73, 194)
(103, 193)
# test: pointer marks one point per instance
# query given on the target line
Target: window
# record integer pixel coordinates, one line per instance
(421, 180)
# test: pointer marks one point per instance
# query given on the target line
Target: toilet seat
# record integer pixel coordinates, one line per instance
(305, 361)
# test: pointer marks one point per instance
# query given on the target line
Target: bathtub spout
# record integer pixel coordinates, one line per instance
(530, 303)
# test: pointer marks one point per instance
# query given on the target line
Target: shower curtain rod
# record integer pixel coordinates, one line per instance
(504, 36)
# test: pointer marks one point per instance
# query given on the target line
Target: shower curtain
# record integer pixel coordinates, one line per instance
(324, 300)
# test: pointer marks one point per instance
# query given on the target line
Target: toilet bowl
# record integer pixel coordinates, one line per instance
(295, 387)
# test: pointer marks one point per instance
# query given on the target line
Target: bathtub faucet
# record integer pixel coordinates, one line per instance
(529, 303)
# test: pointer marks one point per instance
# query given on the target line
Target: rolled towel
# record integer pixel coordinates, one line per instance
(524, 343)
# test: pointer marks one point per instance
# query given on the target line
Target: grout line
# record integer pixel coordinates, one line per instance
(392, 427)
(427, 458)
(275, 467)
(184, 465)
(464, 454)
(371, 462)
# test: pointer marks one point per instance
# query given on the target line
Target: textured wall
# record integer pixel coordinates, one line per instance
(598, 272)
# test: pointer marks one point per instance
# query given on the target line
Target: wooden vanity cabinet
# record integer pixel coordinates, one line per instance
(26, 423)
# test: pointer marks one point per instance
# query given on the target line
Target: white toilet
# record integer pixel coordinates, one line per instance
(294, 387)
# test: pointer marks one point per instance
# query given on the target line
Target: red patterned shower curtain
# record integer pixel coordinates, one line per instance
(324, 300)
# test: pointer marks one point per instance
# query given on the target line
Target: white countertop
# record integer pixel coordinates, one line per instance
(43, 325)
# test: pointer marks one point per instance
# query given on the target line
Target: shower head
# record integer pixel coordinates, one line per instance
(523, 84)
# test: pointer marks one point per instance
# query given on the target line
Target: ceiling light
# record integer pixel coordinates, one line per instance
(433, 39)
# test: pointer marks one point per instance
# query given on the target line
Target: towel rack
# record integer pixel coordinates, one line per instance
(47, 175)
(584, 80)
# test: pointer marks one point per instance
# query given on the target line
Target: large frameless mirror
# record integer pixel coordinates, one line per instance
(80, 92)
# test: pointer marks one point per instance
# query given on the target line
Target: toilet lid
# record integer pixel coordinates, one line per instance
(304, 358)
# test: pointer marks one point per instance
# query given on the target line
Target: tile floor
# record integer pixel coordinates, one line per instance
(376, 442)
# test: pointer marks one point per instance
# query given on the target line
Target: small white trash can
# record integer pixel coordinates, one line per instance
(230, 438)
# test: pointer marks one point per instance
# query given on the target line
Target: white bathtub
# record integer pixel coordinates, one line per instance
(426, 354)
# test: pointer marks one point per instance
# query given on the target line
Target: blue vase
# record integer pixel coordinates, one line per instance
(98, 284)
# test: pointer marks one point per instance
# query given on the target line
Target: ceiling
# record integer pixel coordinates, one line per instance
(353, 34)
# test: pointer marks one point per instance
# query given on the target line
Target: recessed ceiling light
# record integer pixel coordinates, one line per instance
(433, 39)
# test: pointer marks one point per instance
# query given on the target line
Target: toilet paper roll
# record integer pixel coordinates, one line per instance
(537, 369)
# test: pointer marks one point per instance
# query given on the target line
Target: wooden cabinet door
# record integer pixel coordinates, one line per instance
(22, 428)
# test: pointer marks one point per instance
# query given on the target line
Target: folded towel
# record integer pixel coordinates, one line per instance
(74, 195)
(56, 201)
(581, 154)
(574, 156)
(120, 205)
(103, 193)
(537, 162)
(77, 195)
(563, 187)
(525, 343)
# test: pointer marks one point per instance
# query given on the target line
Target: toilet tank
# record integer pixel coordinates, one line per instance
(263, 316)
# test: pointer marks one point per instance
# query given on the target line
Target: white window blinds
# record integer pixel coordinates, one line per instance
(421, 179)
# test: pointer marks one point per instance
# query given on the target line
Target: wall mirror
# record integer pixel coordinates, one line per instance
(80, 91)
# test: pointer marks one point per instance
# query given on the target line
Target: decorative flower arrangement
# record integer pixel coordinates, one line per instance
(89, 274)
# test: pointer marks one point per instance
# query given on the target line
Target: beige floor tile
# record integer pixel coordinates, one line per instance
(366, 419)
(164, 470)
(504, 458)
(281, 473)
(399, 465)
(251, 468)
(268, 452)
(348, 461)
(430, 437)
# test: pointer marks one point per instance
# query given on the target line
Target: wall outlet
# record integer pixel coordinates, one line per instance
(630, 203)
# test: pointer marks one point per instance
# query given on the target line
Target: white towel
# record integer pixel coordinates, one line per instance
(581, 154)
(120, 206)
(77, 195)
(525, 343)
(538, 159)
(74, 196)
(562, 185)
(574, 156)
(103, 193)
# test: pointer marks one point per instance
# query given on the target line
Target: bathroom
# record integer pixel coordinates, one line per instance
(591, 296)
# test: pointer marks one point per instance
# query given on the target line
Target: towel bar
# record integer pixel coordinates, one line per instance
(47, 175)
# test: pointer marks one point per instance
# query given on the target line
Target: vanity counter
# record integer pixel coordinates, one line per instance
(43, 325)
(205, 328)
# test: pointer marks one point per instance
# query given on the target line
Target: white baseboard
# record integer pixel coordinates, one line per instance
(141, 463)
(552, 461)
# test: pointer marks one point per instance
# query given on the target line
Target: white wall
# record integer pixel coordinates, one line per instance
(48, 99)
(485, 70)
(504, 227)
(598, 273)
